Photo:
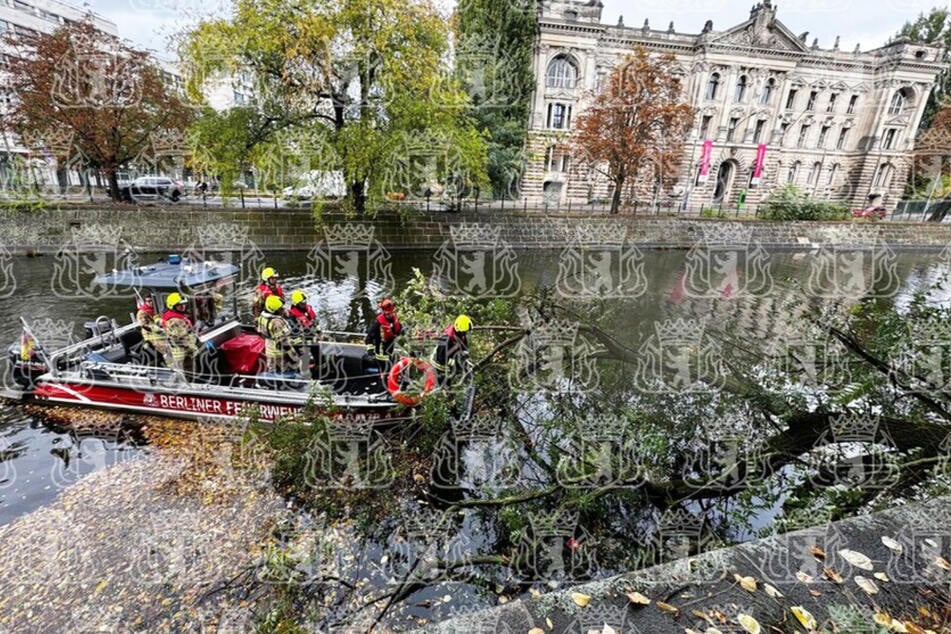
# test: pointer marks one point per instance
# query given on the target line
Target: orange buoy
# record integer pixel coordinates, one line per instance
(393, 380)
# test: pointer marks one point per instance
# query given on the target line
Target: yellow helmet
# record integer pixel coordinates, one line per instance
(273, 304)
(174, 299)
(462, 323)
(267, 274)
(297, 297)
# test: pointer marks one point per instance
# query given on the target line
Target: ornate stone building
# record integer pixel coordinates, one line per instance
(838, 124)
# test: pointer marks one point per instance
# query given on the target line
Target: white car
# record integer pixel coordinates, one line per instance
(157, 187)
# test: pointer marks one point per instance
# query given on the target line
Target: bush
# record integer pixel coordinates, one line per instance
(791, 203)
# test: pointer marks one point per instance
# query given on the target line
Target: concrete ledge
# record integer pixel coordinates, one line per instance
(705, 584)
(183, 227)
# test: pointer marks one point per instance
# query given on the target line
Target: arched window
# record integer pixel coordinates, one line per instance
(793, 172)
(899, 100)
(883, 177)
(740, 89)
(712, 86)
(561, 74)
(814, 173)
(768, 89)
(832, 174)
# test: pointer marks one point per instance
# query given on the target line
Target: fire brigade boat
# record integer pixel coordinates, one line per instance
(111, 367)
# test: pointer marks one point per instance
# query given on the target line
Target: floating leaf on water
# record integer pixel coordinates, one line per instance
(804, 617)
(749, 624)
(803, 577)
(771, 591)
(580, 599)
(881, 576)
(866, 584)
(892, 544)
(638, 598)
(666, 607)
(857, 559)
(747, 583)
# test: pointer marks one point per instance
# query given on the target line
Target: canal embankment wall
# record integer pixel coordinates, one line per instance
(184, 226)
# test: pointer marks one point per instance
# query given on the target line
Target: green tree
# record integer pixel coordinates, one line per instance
(366, 82)
(933, 28)
(108, 99)
(494, 61)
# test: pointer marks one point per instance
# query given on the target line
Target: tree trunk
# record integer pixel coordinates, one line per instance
(113, 179)
(359, 197)
(616, 196)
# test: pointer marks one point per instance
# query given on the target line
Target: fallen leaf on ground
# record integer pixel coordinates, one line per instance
(832, 575)
(804, 617)
(817, 552)
(749, 624)
(867, 585)
(881, 576)
(857, 559)
(892, 544)
(772, 592)
(803, 577)
(638, 598)
(666, 607)
(747, 583)
(580, 599)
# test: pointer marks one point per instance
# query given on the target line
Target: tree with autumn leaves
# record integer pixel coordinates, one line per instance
(80, 92)
(636, 123)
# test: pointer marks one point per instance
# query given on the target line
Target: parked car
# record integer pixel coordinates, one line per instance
(317, 184)
(157, 187)
(874, 213)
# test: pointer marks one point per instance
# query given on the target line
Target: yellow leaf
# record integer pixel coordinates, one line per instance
(749, 624)
(666, 607)
(881, 576)
(536, 630)
(580, 599)
(867, 585)
(892, 544)
(913, 628)
(772, 592)
(881, 618)
(100, 586)
(804, 617)
(857, 559)
(747, 583)
(638, 598)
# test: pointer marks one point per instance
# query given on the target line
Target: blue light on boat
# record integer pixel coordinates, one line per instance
(174, 259)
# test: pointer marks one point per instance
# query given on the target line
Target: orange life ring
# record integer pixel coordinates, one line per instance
(393, 380)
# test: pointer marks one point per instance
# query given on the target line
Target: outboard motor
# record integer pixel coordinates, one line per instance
(25, 370)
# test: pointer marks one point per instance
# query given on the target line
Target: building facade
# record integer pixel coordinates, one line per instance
(770, 109)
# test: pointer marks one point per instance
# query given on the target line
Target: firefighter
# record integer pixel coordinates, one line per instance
(452, 349)
(180, 334)
(280, 355)
(154, 344)
(269, 286)
(381, 337)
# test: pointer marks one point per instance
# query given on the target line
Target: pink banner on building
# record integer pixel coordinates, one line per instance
(758, 166)
(705, 157)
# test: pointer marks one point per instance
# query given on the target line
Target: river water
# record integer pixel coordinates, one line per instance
(37, 461)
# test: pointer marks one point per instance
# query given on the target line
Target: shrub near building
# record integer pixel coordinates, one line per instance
(791, 203)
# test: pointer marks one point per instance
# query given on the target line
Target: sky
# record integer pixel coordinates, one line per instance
(148, 23)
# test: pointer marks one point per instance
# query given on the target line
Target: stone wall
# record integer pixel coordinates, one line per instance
(283, 229)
